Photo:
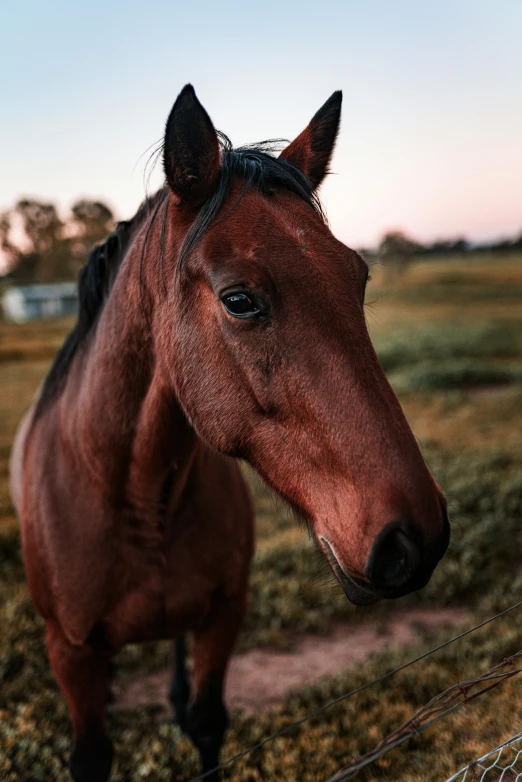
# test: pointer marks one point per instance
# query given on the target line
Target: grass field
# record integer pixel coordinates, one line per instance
(450, 339)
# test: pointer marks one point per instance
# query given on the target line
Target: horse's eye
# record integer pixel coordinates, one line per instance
(239, 305)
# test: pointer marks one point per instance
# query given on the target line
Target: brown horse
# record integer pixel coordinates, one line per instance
(224, 320)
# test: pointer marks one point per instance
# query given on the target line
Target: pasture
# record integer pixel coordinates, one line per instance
(449, 337)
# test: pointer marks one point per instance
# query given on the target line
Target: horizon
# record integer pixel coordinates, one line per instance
(432, 113)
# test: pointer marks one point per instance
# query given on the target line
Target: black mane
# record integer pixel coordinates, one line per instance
(95, 280)
(255, 164)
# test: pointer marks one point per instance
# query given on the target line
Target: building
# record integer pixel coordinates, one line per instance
(31, 302)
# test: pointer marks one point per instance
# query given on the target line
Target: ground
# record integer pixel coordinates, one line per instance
(449, 335)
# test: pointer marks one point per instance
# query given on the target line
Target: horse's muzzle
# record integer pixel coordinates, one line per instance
(399, 563)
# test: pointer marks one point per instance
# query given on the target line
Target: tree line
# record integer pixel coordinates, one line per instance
(50, 249)
(398, 243)
(397, 251)
(39, 246)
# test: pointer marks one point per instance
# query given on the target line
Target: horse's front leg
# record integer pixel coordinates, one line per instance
(83, 676)
(179, 694)
(207, 717)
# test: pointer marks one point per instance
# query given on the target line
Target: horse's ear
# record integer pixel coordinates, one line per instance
(311, 151)
(191, 156)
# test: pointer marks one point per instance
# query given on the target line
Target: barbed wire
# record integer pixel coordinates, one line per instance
(354, 692)
(443, 704)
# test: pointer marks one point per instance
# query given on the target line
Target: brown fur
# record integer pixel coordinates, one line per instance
(136, 521)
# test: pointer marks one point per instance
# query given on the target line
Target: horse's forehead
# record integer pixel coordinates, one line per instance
(260, 228)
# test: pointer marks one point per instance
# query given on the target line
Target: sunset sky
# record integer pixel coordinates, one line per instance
(431, 138)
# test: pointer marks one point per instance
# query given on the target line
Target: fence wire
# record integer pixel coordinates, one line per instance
(351, 694)
(502, 764)
(440, 706)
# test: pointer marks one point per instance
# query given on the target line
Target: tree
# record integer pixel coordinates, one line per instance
(396, 252)
(53, 250)
(460, 245)
(8, 249)
(92, 221)
(42, 225)
(48, 255)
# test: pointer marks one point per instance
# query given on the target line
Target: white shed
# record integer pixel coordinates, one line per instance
(31, 302)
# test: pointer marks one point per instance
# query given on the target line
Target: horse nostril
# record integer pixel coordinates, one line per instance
(394, 558)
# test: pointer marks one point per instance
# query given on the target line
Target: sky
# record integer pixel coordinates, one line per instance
(431, 135)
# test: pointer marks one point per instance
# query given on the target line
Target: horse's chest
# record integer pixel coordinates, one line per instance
(162, 594)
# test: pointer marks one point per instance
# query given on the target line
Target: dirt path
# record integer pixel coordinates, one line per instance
(263, 677)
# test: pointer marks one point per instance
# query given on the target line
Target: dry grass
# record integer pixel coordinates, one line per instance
(473, 441)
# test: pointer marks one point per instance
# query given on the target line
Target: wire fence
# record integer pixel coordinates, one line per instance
(442, 705)
(502, 764)
(439, 707)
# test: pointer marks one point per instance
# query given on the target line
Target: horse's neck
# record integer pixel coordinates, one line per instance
(163, 448)
(121, 412)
